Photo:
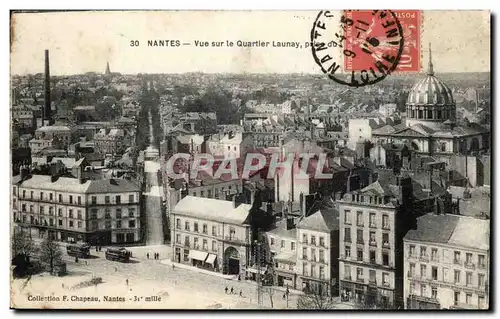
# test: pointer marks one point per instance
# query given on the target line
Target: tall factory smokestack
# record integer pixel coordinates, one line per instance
(46, 112)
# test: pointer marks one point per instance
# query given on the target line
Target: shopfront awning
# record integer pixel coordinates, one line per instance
(254, 270)
(211, 259)
(198, 255)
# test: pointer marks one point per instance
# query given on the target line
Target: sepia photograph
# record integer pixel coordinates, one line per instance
(331, 160)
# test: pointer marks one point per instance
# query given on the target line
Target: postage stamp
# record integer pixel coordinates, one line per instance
(371, 44)
(411, 22)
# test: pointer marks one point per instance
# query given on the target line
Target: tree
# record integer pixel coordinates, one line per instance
(315, 300)
(50, 253)
(23, 245)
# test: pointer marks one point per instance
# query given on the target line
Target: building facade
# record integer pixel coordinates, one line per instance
(212, 234)
(69, 209)
(447, 263)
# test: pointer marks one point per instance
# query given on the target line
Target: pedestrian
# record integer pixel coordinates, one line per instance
(173, 266)
(241, 293)
(232, 290)
(86, 263)
(96, 248)
(147, 255)
(76, 259)
(126, 281)
(158, 256)
(284, 296)
(226, 289)
(63, 286)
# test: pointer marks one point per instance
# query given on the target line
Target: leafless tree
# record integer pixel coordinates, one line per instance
(50, 253)
(315, 300)
(23, 244)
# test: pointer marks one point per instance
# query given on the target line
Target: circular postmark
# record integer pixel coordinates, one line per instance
(366, 44)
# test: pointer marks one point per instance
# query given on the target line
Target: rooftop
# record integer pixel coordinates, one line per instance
(213, 209)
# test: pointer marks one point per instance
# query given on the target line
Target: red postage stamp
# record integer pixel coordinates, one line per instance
(410, 21)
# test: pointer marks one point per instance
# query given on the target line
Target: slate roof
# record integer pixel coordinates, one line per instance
(324, 220)
(280, 230)
(213, 209)
(456, 230)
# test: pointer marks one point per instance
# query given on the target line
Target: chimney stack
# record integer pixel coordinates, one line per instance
(46, 110)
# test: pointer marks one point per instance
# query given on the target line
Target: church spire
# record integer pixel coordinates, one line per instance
(108, 71)
(430, 70)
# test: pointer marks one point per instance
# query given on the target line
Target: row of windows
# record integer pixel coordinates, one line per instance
(424, 292)
(360, 221)
(312, 241)
(215, 192)
(457, 275)
(376, 200)
(372, 275)
(94, 225)
(74, 200)
(310, 271)
(372, 255)
(196, 243)
(470, 260)
(282, 243)
(320, 257)
(360, 237)
(79, 214)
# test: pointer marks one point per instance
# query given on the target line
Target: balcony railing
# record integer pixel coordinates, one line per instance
(386, 244)
(481, 266)
(373, 243)
(469, 265)
(457, 261)
(360, 241)
(347, 239)
(372, 281)
(386, 284)
(187, 244)
(360, 279)
(424, 258)
(235, 240)
(347, 277)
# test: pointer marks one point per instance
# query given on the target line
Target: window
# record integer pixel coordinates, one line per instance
(131, 223)
(385, 279)
(412, 288)
(79, 224)
(131, 198)
(412, 270)
(360, 236)
(107, 224)
(31, 194)
(359, 274)
(313, 271)
(322, 241)
(423, 290)
(106, 199)
(321, 272)
(347, 272)
(186, 226)
(70, 213)
(196, 245)
(194, 194)
(304, 238)
(131, 212)
(359, 255)
(372, 257)
(385, 259)
(423, 271)
(94, 200)
(468, 279)
(186, 252)
(480, 280)
(59, 212)
(434, 273)
(195, 227)
(178, 238)
(412, 251)
(42, 210)
(214, 245)
(434, 293)
(347, 216)
(205, 229)
(468, 258)
(60, 222)
(321, 255)
(292, 246)
(282, 244)
(347, 252)
(178, 223)
(24, 194)
(420, 114)
(457, 277)
(481, 301)
(79, 214)
(51, 222)
(456, 297)
(205, 244)
(41, 195)
(79, 199)
(313, 240)
(372, 238)
(434, 254)
(202, 193)
(385, 221)
(468, 298)
(51, 196)
(372, 220)
(209, 193)
(186, 241)
(359, 219)
(304, 253)
(304, 269)
(71, 223)
(456, 258)
(423, 251)
(214, 230)
(118, 199)
(313, 254)
(93, 213)
(347, 235)
(385, 239)
(71, 199)
(272, 241)
(480, 259)
(51, 211)
(372, 276)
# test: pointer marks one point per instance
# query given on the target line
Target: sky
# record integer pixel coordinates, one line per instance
(82, 42)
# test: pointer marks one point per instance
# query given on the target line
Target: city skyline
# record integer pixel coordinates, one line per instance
(91, 39)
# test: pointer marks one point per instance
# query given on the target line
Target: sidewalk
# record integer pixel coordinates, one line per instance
(203, 271)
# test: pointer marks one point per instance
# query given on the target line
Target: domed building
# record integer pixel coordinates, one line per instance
(430, 127)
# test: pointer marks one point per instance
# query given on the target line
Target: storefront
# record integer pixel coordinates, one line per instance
(197, 257)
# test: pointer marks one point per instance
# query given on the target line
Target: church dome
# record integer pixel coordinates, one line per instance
(430, 91)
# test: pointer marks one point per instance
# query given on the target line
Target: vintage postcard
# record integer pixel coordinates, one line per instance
(328, 159)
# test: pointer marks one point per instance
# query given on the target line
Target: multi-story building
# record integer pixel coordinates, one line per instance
(36, 145)
(61, 135)
(230, 145)
(211, 233)
(72, 209)
(317, 246)
(370, 230)
(114, 141)
(24, 116)
(447, 263)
